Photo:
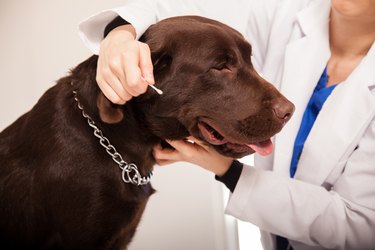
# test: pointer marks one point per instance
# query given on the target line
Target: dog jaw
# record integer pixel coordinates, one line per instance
(232, 149)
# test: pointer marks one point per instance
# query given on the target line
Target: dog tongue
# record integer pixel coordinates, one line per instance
(263, 148)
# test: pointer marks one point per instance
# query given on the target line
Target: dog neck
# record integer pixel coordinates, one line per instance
(130, 136)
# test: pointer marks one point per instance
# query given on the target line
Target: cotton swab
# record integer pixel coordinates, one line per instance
(159, 91)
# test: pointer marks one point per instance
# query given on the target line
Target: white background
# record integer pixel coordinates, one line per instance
(39, 44)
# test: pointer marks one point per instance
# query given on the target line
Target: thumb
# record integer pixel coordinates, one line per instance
(166, 154)
(182, 146)
(145, 63)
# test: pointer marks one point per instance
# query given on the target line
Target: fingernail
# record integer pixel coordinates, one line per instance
(170, 142)
(149, 78)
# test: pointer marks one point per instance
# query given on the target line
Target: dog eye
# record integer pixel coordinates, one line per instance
(223, 63)
(221, 68)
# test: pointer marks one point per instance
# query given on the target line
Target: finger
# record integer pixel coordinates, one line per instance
(116, 85)
(145, 63)
(179, 145)
(194, 139)
(109, 92)
(166, 154)
(117, 67)
(102, 74)
(201, 143)
(135, 85)
(190, 143)
(187, 150)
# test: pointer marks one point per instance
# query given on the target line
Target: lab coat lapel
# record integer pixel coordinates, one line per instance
(305, 59)
(339, 125)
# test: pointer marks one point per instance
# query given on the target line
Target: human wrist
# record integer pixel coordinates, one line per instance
(123, 32)
(121, 29)
(222, 167)
(116, 22)
(231, 177)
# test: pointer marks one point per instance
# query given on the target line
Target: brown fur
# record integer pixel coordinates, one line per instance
(59, 189)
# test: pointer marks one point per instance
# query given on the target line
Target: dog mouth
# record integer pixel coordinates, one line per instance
(212, 136)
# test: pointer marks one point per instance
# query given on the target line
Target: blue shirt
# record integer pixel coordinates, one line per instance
(319, 96)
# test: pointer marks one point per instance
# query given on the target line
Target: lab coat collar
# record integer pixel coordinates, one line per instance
(315, 16)
(344, 116)
(339, 125)
(305, 58)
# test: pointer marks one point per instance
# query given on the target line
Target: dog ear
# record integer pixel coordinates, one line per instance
(108, 112)
(161, 62)
(161, 48)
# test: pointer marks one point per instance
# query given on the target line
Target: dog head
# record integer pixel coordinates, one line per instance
(211, 90)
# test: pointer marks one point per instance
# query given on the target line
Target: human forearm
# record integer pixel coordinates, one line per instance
(115, 23)
(300, 211)
(143, 13)
(140, 13)
(231, 176)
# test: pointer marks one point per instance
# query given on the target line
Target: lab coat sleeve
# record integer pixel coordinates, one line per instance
(252, 18)
(340, 218)
(140, 13)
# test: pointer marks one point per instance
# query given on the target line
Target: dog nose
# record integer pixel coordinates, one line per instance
(283, 109)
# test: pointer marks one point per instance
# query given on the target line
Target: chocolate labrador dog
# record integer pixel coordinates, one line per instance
(75, 169)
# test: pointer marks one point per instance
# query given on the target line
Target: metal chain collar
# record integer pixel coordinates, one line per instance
(130, 172)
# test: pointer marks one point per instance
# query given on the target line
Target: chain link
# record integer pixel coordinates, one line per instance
(130, 172)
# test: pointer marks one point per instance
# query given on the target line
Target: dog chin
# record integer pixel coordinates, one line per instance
(234, 150)
(226, 146)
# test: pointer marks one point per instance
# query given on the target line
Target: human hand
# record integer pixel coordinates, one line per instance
(124, 66)
(193, 151)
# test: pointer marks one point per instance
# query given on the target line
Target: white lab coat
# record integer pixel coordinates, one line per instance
(331, 202)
